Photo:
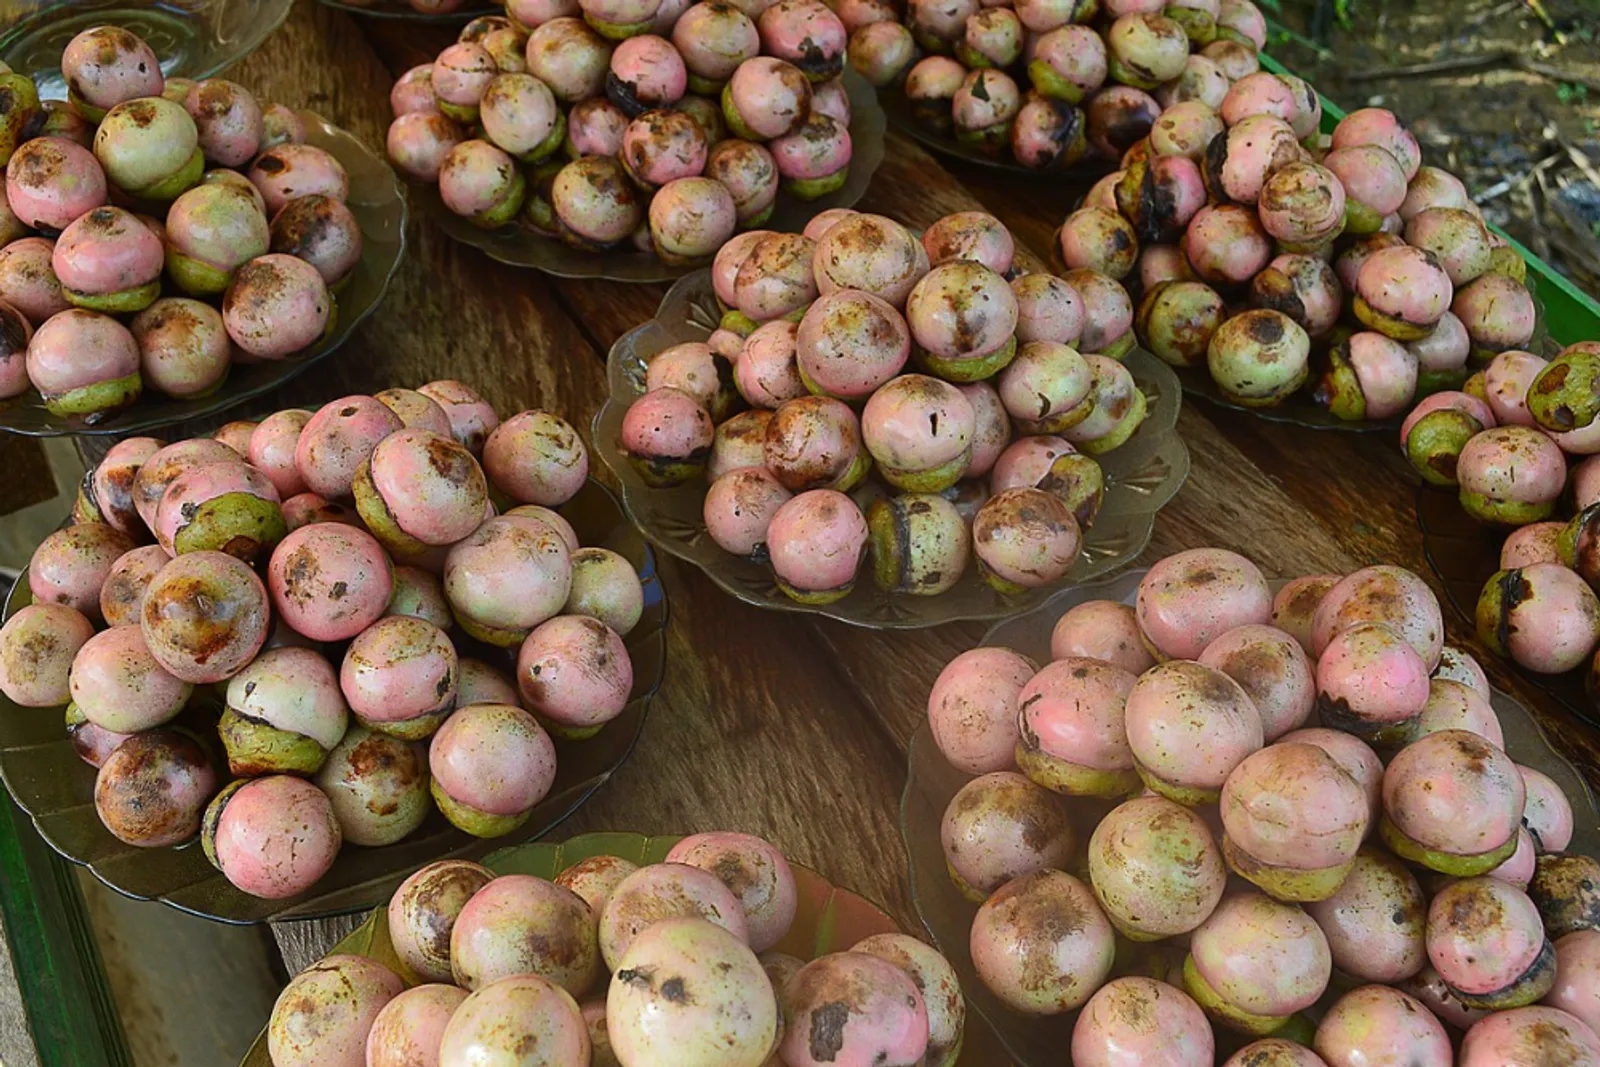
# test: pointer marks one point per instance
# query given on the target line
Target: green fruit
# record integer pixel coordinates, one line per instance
(506, 210)
(194, 277)
(243, 525)
(1074, 779)
(1566, 393)
(1187, 795)
(1435, 442)
(1232, 1017)
(97, 400)
(1079, 482)
(185, 178)
(1338, 389)
(1286, 883)
(256, 748)
(213, 816)
(19, 104)
(1450, 863)
(415, 729)
(472, 821)
(815, 188)
(1123, 430)
(932, 480)
(967, 368)
(918, 544)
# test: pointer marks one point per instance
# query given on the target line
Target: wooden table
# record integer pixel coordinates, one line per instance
(780, 724)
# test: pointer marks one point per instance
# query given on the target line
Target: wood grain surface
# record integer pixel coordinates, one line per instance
(778, 724)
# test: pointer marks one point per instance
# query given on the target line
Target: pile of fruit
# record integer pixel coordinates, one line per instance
(512, 964)
(600, 124)
(1511, 442)
(1097, 75)
(311, 568)
(986, 449)
(139, 186)
(1163, 781)
(1286, 265)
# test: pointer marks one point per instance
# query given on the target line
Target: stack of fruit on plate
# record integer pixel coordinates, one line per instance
(518, 962)
(1253, 854)
(601, 124)
(304, 612)
(1510, 442)
(817, 336)
(1280, 263)
(1089, 87)
(141, 185)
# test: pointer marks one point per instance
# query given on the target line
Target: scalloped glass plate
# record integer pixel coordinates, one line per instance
(194, 38)
(931, 782)
(47, 779)
(403, 12)
(521, 247)
(898, 109)
(829, 919)
(378, 204)
(1141, 477)
(1300, 410)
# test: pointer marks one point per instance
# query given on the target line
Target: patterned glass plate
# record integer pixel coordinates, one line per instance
(379, 206)
(404, 12)
(1301, 410)
(1141, 477)
(521, 247)
(47, 779)
(931, 782)
(829, 919)
(898, 108)
(194, 38)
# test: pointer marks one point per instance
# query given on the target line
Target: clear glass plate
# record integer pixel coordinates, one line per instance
(521, 247)
(829, 919)
(1141, 477)
(898, 108)
(931, 782)
(378, 204)
(401, 11)
(194, 38)
(47, 779)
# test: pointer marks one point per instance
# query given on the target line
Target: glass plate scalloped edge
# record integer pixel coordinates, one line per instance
(1141, 477)
(379, 204)
(398, 11)
(519, 247)
(46, 778)
(931, 782)
(829, 919)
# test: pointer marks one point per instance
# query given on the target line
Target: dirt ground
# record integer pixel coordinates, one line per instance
(1515, 111)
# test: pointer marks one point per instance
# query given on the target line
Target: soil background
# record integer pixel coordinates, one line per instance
(1514, 111)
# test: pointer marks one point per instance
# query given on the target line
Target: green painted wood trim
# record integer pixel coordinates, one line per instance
(1570, 313)
(65, 992)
